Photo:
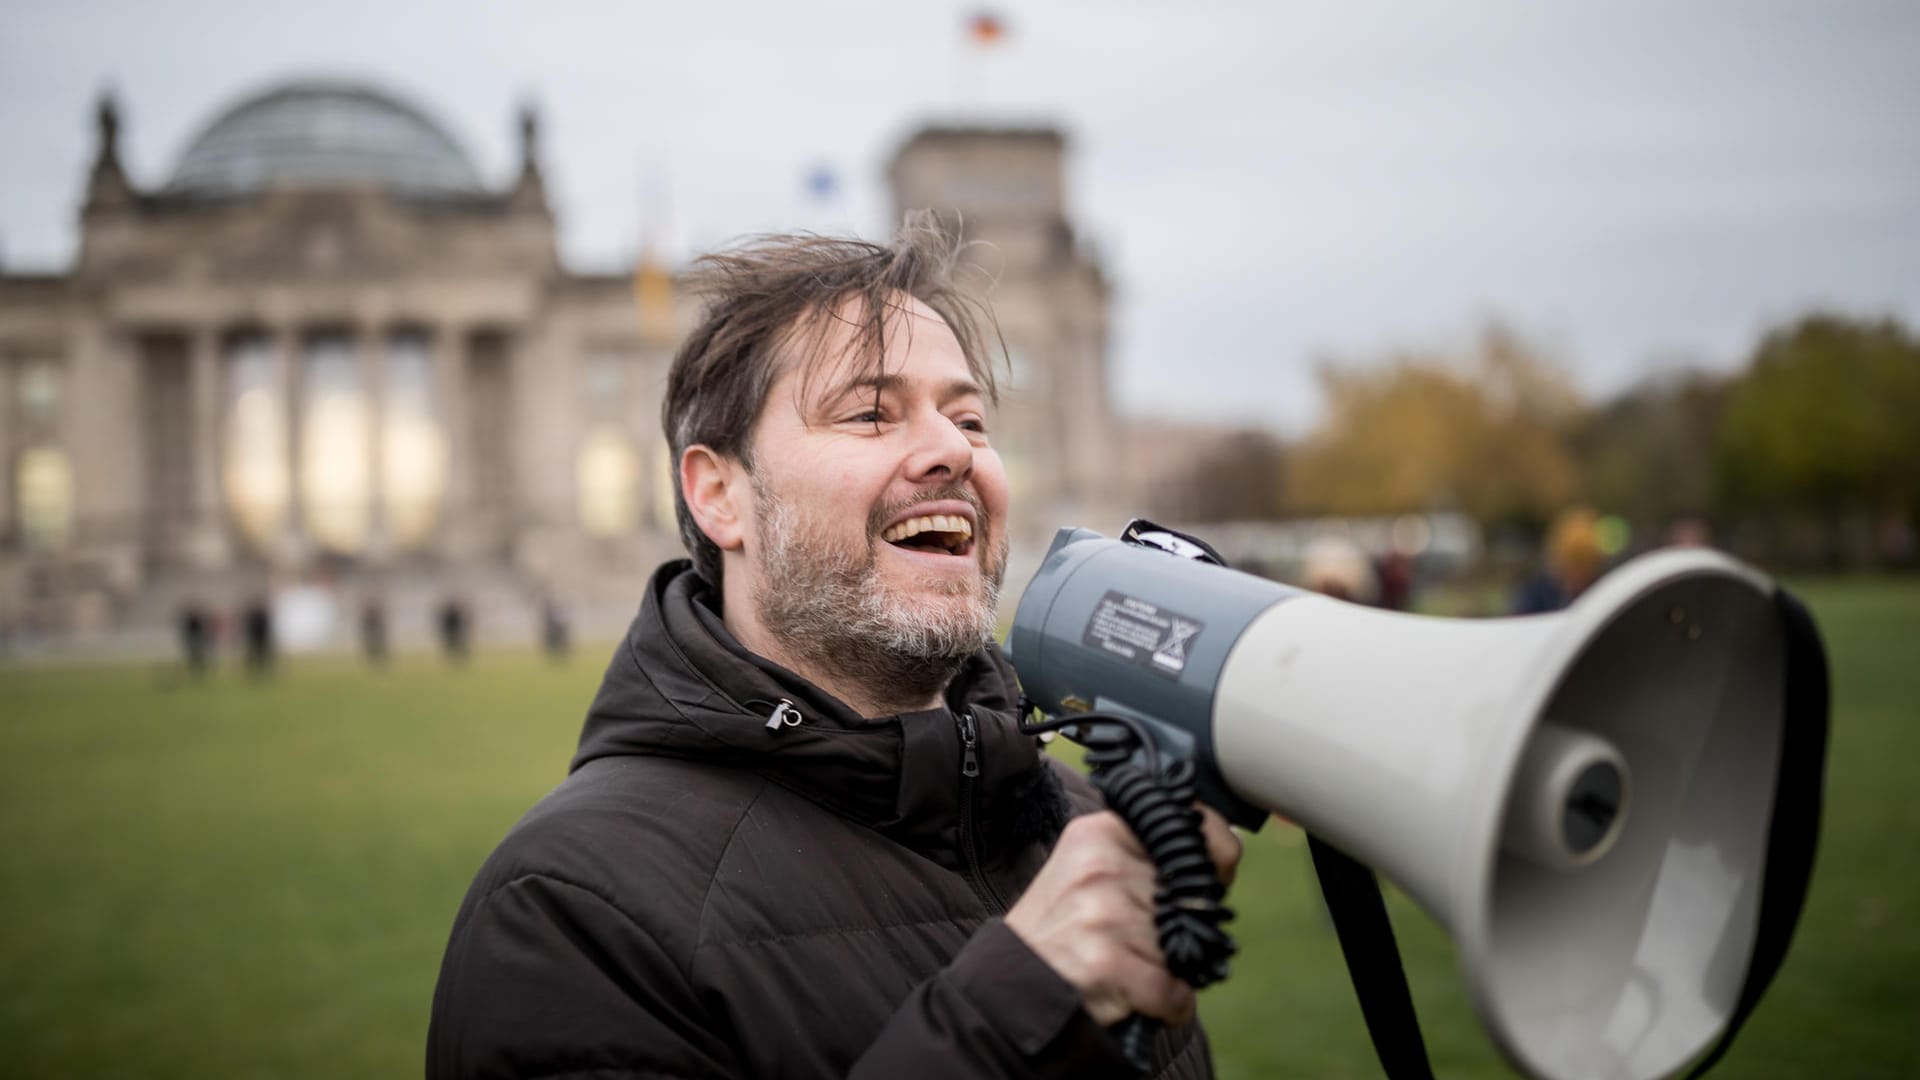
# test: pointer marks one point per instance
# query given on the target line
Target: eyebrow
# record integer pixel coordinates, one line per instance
(951, 390)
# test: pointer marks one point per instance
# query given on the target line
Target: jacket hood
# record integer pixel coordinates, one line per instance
(680, 686)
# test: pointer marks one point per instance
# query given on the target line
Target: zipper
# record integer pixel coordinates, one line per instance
(969, 739)
(783, 715)
(969, 838)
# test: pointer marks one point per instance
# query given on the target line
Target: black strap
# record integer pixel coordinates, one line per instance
(1794, 832)
(1373, 960)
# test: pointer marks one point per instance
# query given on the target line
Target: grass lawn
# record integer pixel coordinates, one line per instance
(239, 879)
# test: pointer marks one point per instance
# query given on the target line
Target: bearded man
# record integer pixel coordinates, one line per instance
(802, 835)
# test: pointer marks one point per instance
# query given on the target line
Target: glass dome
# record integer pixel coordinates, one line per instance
(318, 134)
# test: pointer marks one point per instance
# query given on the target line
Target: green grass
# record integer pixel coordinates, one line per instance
(238, 879)
(253, 880)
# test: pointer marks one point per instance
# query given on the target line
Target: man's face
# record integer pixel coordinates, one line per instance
(880, 508)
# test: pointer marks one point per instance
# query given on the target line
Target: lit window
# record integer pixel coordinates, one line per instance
(43, 481)
(253, 471)
(334, 472)
(413, 466)
(608, 474)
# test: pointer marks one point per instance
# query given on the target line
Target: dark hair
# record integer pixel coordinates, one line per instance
(771, 300)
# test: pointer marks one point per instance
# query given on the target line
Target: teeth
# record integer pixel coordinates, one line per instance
(954, 525)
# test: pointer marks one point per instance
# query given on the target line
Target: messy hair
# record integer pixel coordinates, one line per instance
(771, 301)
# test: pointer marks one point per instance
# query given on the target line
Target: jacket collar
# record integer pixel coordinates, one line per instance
(681, 686)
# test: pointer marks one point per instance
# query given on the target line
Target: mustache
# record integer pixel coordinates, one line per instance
(886, 512)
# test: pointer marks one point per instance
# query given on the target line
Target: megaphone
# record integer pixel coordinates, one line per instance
(1585, 800)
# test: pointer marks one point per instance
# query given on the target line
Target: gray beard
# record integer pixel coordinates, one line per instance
(827, 607)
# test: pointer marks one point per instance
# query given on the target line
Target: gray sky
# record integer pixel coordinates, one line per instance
(1632, 184)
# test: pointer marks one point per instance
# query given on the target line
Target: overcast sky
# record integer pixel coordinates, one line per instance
(1633, 184)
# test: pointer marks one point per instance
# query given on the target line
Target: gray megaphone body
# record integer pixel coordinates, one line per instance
(1583, 799)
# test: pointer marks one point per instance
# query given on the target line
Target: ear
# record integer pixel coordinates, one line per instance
(717, 492)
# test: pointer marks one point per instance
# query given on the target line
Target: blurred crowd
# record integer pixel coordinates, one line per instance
(1578, 548)
(253, 633)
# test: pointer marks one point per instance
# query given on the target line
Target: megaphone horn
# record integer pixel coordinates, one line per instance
(1584, 799)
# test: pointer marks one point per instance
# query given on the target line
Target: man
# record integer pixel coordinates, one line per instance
(802, 836)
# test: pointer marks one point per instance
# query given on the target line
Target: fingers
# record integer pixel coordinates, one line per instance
(1108, 917)
(1105, 827)
(1111, 951)
(1131, 985)
(1150, 991)
(1101, 848)
(1223, 845)
(1089, 913)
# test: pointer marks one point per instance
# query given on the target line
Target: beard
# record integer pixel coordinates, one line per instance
(822, 597)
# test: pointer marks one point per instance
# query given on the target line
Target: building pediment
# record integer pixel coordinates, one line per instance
(315, 180)
(294, 234)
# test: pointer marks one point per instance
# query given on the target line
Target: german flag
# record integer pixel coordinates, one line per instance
(986, 28)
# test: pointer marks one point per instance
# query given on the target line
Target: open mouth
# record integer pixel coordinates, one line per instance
(938, 534)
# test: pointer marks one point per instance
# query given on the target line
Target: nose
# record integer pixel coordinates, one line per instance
(941, 451)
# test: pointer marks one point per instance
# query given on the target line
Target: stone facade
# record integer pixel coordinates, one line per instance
(324, 350)
(1007, 189)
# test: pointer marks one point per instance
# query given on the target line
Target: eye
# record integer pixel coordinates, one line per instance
(971, 424)
(865, 416)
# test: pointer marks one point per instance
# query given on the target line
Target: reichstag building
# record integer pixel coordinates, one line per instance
(327, 353)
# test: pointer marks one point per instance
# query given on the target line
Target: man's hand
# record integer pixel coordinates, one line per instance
(1089, 915)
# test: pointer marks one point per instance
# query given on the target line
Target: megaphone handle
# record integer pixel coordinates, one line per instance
(1135, 1035)
(1158, 806)
(1161, 814)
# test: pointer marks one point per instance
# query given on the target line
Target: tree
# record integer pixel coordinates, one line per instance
(1827, 422)
(1239, 479)
(1649, 454)
(1485, 433)
(1196, 473)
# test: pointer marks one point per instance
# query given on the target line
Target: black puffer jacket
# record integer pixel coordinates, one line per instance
(708, 895)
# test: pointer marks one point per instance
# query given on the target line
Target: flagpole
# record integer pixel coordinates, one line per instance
(985, 30)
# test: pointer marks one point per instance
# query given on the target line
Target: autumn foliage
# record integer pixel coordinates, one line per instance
(1488, 433)
(1810, 450)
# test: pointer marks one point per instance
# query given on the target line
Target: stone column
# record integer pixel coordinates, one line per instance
(645, 386)
(208, 544)
(9, 368)
(370, 347)
(285, 343)
(450, 390)
(102, 428)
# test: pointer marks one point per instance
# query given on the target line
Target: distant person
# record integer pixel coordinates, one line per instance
(1395, 573)
(556, 633)
(196, 638)
(1572, 559)
(1689, 532)
(454, 630)
(373, 631)
(256, 629)
(1337, 567)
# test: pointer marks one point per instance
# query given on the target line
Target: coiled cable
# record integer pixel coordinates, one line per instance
(1157, 804)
